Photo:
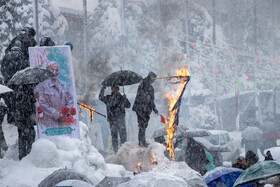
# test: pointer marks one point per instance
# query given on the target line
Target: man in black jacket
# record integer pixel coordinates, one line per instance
(12, 62)
(115, 104)
(144, 105)
(195, 156)
(26, 37)
(16, 58)
(25, 118)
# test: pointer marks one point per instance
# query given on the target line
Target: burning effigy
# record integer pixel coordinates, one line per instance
(174, 107)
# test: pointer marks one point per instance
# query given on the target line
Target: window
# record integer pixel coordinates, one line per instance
(213, 139)
(227, 137)
(223, 140)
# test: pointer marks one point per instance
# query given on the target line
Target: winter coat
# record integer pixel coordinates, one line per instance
(26, 41)
(251, 158)
(25, 106)
(195, 155)
(12, 62)
(144, 101)
(210, 164)
(115, 104)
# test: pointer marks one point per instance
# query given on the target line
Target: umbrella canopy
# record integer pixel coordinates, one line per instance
(112, 181)
(251, 133)
(31, 75)
(161, 131)
(4, 89)
(222, 175)
(122, 78)
(260, 170)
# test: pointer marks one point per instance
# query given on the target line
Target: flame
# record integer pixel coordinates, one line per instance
(154, 161)
(181, 74)
(89, 108)
(139, 166)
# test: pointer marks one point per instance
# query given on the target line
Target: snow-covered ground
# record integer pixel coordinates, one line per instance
(47, 157)
(63, 152)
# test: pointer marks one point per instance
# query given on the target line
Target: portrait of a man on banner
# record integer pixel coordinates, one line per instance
(56, 97)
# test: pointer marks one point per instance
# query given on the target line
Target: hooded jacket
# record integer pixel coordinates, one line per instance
(26, 41)
(12, 62)
(210, 164)
(251, 158)
(115, 104)
(144, 101)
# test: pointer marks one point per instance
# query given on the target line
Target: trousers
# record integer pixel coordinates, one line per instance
(143, 120)
(117, 127)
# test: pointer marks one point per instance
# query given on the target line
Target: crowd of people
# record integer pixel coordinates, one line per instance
(19, 105)
(143, 106)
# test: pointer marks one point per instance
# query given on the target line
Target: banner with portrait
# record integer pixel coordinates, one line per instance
(56, 100)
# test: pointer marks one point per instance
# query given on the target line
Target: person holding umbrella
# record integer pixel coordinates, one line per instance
(115, 104)
(195, 156)
(12, 62)
(25, 80)
(144, 105)
(25, 118)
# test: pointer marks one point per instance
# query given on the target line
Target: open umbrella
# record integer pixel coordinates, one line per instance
(112, 181)
(122, 78)
(222, 175)
(31, 75)
(260, 170)
(4, 89)
(251, 133)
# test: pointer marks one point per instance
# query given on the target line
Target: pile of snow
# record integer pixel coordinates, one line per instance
(165, 173)
(48, 156)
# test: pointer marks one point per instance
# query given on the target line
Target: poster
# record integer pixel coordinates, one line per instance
(56, 100)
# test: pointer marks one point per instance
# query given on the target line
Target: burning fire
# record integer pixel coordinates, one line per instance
(182, 75)
(139, 166)
(154, 161)
(89, 108)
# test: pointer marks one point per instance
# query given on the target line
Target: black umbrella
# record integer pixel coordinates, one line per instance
(31, 75)
(4, 89)
(112, 181)
(122, 78)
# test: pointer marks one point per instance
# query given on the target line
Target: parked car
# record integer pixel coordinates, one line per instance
(223, 139)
